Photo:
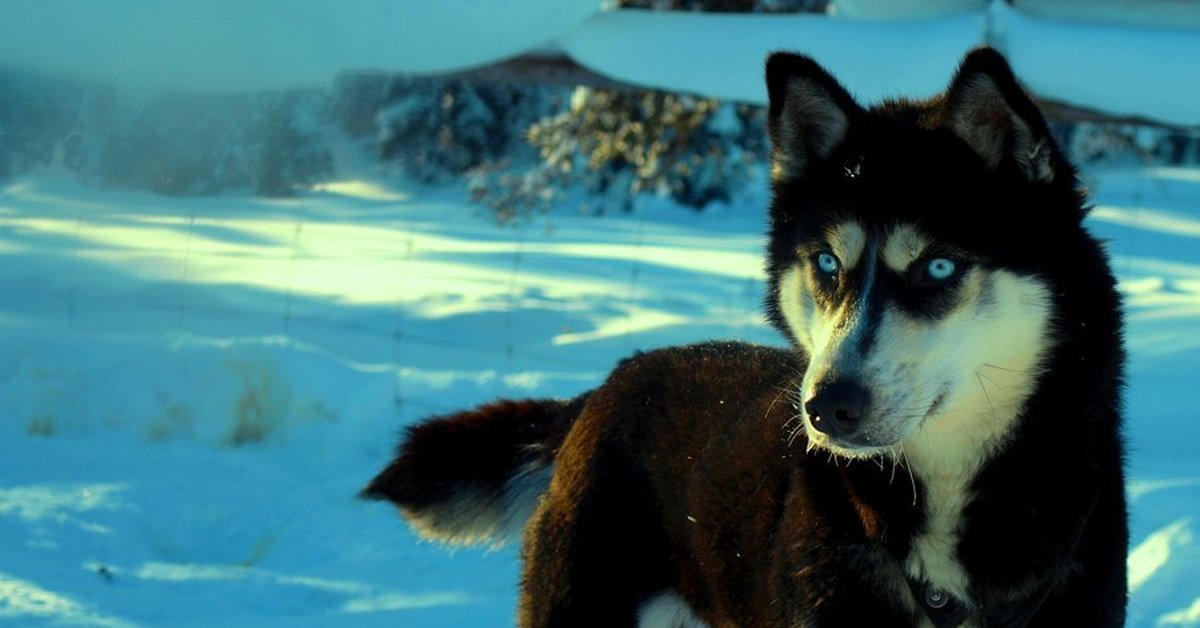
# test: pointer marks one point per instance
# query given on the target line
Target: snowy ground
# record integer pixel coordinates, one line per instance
(192, 391)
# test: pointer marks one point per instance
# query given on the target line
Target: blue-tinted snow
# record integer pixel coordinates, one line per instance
(145, 337)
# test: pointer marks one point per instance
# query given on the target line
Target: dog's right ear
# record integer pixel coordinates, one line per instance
(988, 109)
(808, 115)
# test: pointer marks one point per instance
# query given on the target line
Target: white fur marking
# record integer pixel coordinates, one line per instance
(796, 304)
(903, 245)
(668, 610)
(946, 392)
(848, 240)
(475, 517)
(1001, 352)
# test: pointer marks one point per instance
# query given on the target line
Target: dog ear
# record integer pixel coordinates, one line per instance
(990, 112)
(809, 113)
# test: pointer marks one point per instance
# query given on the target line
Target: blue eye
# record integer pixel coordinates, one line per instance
(828, 264)
(941, 269)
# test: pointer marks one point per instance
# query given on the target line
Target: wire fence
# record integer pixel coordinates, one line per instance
(362, 288)
(426, 295)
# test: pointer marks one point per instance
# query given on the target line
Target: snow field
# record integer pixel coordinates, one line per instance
(195, 389)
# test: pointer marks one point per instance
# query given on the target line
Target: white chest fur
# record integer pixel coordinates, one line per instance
(945, 459)
(933, 558)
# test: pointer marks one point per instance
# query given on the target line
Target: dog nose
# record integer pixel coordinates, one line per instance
(837, 408)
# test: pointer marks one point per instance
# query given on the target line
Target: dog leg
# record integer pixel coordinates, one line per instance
(592, 557)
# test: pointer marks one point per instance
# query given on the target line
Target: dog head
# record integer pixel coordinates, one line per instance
(909, 252)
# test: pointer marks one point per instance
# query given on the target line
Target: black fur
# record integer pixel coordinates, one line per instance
(481, 446)
(471, 457)
(684, 471)
(1049, 516)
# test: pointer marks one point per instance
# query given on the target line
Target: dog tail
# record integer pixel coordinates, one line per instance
(476, 476)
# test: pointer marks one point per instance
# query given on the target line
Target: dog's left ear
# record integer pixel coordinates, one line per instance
(990, 112)
(808, 115)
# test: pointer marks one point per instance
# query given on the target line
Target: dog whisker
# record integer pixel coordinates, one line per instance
(1004, 368)
(991, 408)
(912, 480)
(783, 390)
(795, 434)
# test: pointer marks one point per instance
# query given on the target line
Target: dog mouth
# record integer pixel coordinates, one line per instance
(871, 441)
(855, 451)
(866, 443)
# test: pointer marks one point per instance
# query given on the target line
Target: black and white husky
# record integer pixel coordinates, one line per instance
(941, 446)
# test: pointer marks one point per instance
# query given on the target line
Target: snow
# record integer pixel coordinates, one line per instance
(1155, 552)
(902, 9)
(232, 45)
(195, 389)
(722, 55)
(1122, 70)
(227, 45)
(1169, 13)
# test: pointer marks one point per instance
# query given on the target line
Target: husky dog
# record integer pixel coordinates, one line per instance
(941, 445)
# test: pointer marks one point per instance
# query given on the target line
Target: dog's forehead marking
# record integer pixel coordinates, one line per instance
(903, 244)
(848, 240)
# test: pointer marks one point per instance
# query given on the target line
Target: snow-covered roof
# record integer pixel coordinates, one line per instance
(227, 45)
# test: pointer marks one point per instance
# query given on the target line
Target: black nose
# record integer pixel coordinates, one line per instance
(837, 408)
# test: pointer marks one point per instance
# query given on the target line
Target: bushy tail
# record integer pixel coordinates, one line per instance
(476, 476)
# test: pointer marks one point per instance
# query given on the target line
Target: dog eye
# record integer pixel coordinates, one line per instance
(941, 269)
(828, 264)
